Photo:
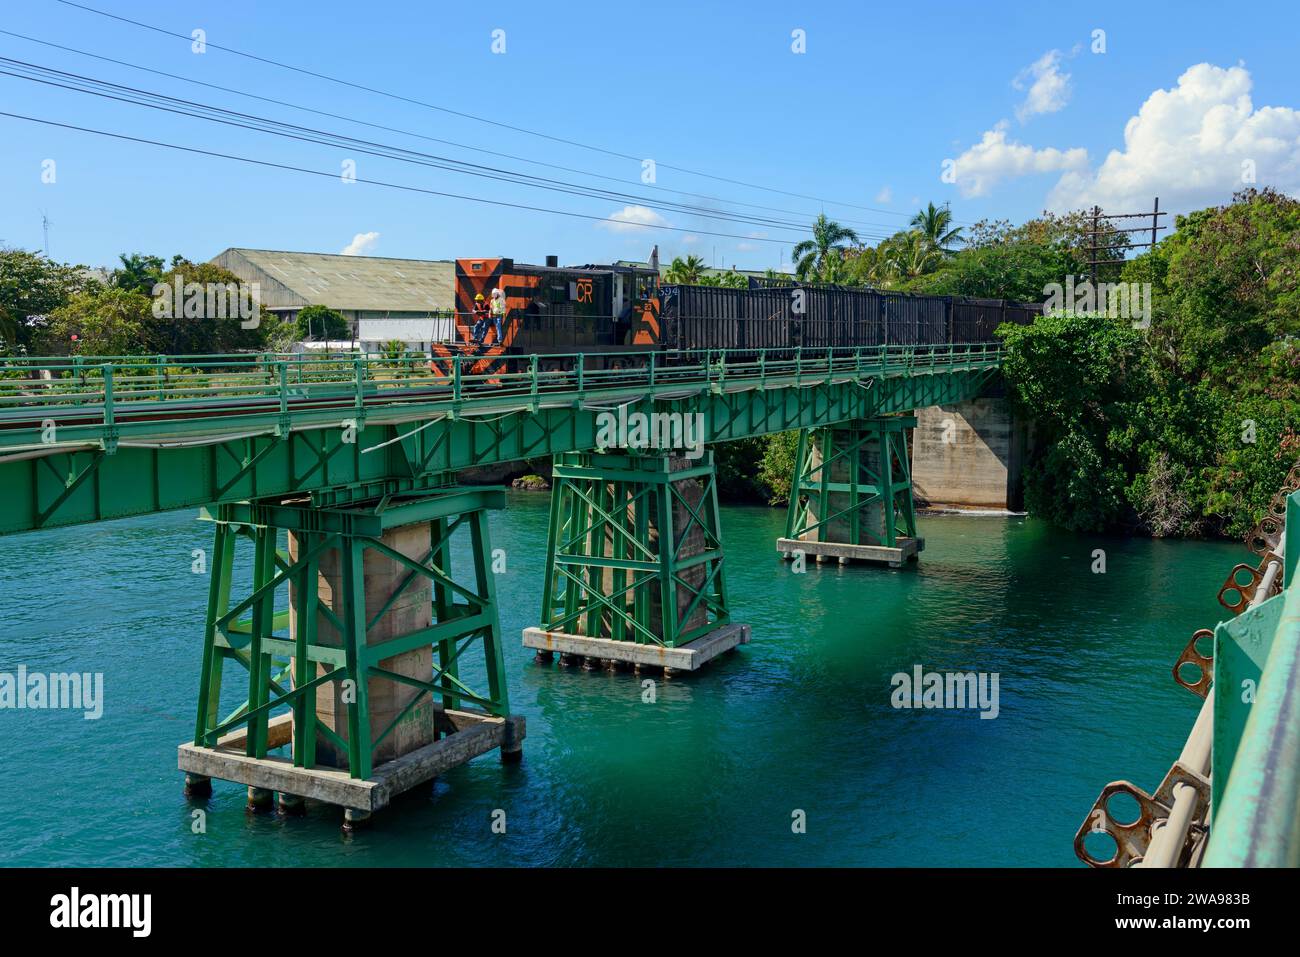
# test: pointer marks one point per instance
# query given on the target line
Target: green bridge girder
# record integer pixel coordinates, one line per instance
(161, 443)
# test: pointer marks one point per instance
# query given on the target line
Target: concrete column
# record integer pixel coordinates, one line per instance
(870, 516)
(969, 455)
(411, 612)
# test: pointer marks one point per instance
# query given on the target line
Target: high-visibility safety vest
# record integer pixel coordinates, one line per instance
(499, 307)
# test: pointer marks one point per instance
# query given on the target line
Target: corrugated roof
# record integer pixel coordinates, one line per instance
(344, 282)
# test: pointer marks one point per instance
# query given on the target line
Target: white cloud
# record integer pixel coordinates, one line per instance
(994, 159)
(1048, 88)
(886, 195)
(1188, 144)
(690, 239)
(361, 244)
(633, 219)
(746, 247)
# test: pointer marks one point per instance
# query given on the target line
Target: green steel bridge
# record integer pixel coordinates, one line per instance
(339, 476)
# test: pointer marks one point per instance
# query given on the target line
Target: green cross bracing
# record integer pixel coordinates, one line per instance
(371, 603)
(136, 436)
(853, 484)
(634, 549)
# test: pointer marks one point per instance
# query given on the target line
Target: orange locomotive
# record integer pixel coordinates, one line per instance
(551, 311)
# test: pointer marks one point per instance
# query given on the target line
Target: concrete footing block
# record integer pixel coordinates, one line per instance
(907, 550)
(468, 735)
(687, 657)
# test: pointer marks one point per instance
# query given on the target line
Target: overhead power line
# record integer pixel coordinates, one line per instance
(469, 116)
(329, 174)
(83, 84)
(434, 139)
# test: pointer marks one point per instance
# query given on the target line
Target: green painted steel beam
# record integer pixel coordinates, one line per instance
(262, 445)
(1256, 772)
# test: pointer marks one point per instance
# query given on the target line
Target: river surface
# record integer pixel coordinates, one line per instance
(715, 772)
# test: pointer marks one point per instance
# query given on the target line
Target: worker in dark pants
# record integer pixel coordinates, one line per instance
(480, 319)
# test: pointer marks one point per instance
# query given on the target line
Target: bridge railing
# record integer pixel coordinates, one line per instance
(33, 388)
(1256, 821)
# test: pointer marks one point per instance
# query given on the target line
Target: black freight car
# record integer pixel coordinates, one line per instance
(771, 316)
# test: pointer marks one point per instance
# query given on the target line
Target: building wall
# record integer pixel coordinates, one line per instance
(969, 454)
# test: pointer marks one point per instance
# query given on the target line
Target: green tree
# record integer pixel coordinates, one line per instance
(1077, 377)
(138, 273)
(193, 331)
(106, 322)
(935, 224)
(323, 324)
(828, 239)
(685, 271)
(33, 286)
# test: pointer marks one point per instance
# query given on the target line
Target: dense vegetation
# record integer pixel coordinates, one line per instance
(49, 308)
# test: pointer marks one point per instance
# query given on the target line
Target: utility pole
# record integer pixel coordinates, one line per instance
(1097, 243)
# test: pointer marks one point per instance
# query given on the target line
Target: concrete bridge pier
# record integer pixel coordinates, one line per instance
(969, 455)
(364, 666)
(635, 570)
(851, 494)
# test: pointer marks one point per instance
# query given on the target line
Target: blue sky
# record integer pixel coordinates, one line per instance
(1012, 94)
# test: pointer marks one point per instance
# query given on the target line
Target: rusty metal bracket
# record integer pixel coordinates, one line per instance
(1201, 687)
(1266, 536)
(1182, 774)
(1235, 593)
(1131, 840)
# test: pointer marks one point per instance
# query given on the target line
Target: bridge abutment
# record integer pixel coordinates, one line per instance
(969, 455)
(635, 563)
(851, 494)
(363, 667)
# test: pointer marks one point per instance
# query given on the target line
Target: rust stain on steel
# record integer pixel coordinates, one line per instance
(1203, 662)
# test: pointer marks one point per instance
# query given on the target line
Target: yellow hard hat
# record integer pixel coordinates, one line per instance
(478, 297)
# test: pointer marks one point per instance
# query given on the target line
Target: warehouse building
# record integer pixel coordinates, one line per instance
(383, 299)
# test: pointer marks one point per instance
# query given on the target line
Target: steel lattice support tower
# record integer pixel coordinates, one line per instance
(851, 493)
(635, 549)
(369, 619)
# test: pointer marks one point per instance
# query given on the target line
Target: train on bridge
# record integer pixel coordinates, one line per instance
(605, 312)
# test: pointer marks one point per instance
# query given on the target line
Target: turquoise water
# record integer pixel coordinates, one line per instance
(712, 772)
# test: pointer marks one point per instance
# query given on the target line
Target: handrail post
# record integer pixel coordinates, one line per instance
(830, 365)
(580, 369)
(532, 374)
(652, 370)
(109, 416)
(455, 379)
(798, 365)
(360, 382)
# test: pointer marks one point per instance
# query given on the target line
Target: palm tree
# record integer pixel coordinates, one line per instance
(933, 223)
(828, 239)
(685, 271)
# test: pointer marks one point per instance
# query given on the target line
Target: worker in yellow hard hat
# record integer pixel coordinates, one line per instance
(480, 319)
